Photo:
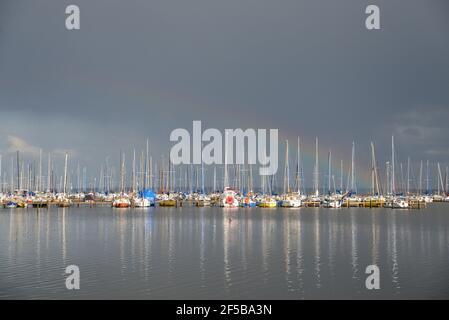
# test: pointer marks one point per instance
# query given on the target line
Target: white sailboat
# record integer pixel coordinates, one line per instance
(228, 198)
(122, 201)
(289, 200)
(394, 201)
(64, 200)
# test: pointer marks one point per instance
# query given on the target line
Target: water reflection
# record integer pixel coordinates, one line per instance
(215, 253)
(299, 255)
(354, 252)
(286, 244)
(393, 251)
(375, 239)
(330, 245)
(317, 243)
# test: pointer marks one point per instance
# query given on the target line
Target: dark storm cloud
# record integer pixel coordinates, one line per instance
(143, 68)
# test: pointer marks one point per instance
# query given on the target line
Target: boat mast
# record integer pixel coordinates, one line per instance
(133, 174)
(215, 179)
(147, 181)
(388, 182)
(262, 180)
(180, 179)
(286, 170)
(376, 188)
(190, 178)
(49, 173)
(408, 176)
(341, 176)
(329, 171)
(225, 180)
(78, 171)
(144, 173)
(22, 170)
(122, 188)
(84, 186)
(393, 188)
(315, 173)
(202, 177)
(447, 182)
(151, 173)
(372, 169)
(202, 169)
(107, 176)
(420, 179)
(12, 175)
(186, 179)
(39, 187)
(101, 181)
(440, 180)
(353, 188)
(197, 179)
(298, 168)
(65, 173)
(402, 185)
(250, 181)
(18, 172)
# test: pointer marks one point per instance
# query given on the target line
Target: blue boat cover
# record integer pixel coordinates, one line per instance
(148, 194)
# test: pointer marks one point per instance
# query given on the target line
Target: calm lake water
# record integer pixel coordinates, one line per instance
(215, 253)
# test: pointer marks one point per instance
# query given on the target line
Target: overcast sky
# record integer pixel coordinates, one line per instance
(143, 68)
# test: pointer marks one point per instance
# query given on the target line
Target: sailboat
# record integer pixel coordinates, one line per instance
(439, 195)
(331, 200)
(427, 197)
(146, 197)
(142, 202)
(267, 202)
(63, 200)
(375, 200)
(394, 201)
(11, 205)
(289, 199)
(168, 199)
(228, 198)
(314, 200)
(353, 200)
(203, 200)
(122, 201)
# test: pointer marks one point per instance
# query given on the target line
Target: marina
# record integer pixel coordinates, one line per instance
(180, 200)
(170, 186)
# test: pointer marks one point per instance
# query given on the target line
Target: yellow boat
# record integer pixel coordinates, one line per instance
(267, 203)
(22, 204)
(167, 203)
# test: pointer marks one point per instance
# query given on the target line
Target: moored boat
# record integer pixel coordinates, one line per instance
(229, 199)
(11, 205)
(267, 202)
(121, 202)
(291, 201)
(142, 203)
